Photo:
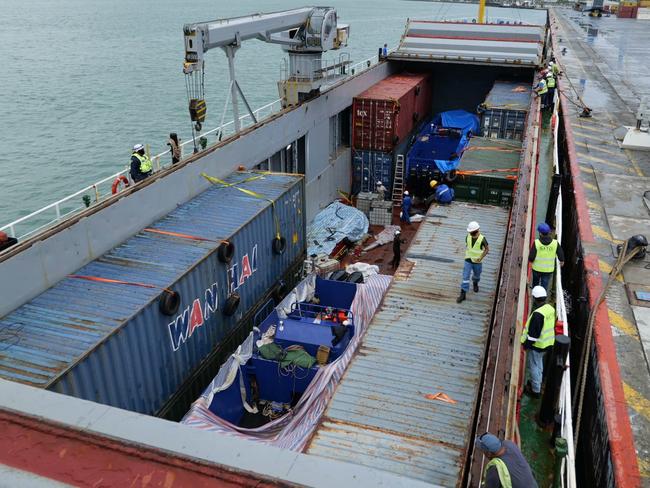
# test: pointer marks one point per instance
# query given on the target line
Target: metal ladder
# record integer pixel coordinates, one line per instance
(398, 181)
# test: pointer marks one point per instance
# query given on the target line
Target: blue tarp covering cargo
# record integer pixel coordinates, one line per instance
(104, 335)
(442, 142)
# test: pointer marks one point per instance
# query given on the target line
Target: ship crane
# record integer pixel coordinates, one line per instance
(305, 33)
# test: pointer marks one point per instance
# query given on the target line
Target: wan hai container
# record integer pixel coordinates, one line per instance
(122, 343)
(386, 113)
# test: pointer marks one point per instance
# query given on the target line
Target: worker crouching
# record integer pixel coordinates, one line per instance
(476, 249)
(141, 165)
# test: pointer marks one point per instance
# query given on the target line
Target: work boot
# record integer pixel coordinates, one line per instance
(528, 390)
(476, 286)
(461, 297)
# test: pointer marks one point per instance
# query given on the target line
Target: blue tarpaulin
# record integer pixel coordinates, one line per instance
(435, 146)
(458, 119)
(332, 224)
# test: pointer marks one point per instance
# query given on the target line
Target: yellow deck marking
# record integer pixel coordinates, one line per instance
(607, 162)
(590, 186)
(602, 130)
(594, 205)
(635, 163)
(606, 268)
(593, 137)
(621, 324)
(614, 151)
(604, 234)
(637, 401)
(644, 467)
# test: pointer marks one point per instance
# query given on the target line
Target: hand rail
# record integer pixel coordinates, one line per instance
(565, 408)
(101, 190)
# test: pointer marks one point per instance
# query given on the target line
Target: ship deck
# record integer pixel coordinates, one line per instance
(420, 342)
(606, 63)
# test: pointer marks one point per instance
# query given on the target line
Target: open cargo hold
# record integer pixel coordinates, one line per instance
(503, 114)
(383, 413)
(386, 113)
(489, 168)
(112, 343)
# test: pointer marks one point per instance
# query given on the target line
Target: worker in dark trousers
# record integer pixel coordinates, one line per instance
(397, 249)
(550, 85)
(477, 248)
(538, 336)
(507, 467)
(407, 203)
(141, 165)
(542, 256)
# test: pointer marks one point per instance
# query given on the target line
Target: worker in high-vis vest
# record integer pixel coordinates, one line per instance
(550, 84)
(537, 337)
(476, 247)
(507, 467)
(141, 165)
(542, 256)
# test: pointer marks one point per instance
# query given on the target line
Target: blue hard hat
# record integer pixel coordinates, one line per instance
(489, 443)
(543, 228)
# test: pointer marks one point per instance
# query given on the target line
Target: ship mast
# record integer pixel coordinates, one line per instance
(481, 12)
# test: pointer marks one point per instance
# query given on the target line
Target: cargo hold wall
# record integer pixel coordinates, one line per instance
(106, 333)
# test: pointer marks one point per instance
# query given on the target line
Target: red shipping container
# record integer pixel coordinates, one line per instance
(387, 112)
(626, 12)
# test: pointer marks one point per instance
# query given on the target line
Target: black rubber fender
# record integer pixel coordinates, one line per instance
(279, 292)
(339, 275)
(232, 303)
(169, 302)
(279, 245)
(225, 251)
(356, 277)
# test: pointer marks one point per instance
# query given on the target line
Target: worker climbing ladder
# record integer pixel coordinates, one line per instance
(398, 181)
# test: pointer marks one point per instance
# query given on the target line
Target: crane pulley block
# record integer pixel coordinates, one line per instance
(198, 109)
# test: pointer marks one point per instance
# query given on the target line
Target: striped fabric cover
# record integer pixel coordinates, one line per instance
(293, 430)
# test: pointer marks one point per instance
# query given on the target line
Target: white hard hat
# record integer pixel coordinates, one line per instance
(138, 147)
(472, 226)
(539, 292)
(549, 75)
(398, 232)
(346, 322)
(406, 192)
(379, 183)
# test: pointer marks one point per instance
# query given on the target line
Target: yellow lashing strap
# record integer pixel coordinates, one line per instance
(216, 181)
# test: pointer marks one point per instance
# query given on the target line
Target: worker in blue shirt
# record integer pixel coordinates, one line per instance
(407, 203)
(506, 466)
(443, 194)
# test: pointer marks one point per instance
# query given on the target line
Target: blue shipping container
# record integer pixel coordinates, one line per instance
(369, 167)
(110, 342)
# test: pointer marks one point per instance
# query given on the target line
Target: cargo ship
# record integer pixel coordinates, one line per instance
(108, 339)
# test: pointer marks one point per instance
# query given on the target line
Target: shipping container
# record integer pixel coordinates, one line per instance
(369, 167)
(503, 114)
(420, 343)
(643, 13)
(387, 113)
(493, 165)
(111, 333)
(625, 12)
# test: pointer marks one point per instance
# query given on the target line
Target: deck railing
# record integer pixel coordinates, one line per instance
(53, 213)
(565, 408)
